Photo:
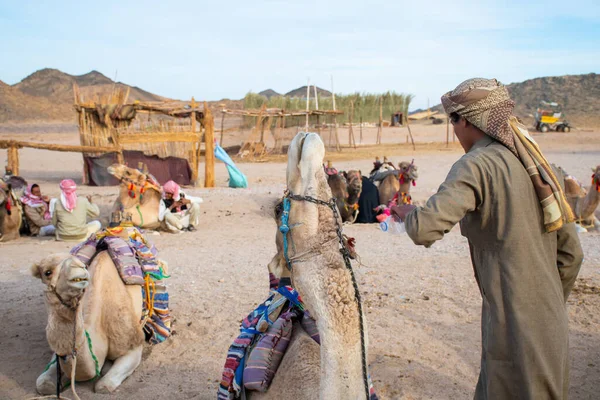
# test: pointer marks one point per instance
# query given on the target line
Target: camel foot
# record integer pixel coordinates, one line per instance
(45, 386)
(46, 382)
(120, 370)
(104, 387)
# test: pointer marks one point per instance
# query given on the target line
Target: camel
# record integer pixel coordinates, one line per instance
(11, 213)
(333, 370)
(346, 188)
(398, 182)
(584, 202)
(139, 196)
(108, 311)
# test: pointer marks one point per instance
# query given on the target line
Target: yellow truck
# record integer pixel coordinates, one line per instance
(549, 116)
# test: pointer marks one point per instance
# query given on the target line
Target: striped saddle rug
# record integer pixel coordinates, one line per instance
(255, 355)
(138, 264)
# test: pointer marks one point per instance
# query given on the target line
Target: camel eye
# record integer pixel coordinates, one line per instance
(48, 273)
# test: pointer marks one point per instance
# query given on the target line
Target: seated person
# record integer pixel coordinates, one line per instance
(69, 215)
(37, 211)
(178, 211)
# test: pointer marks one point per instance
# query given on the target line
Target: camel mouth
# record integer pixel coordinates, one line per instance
(78, 280)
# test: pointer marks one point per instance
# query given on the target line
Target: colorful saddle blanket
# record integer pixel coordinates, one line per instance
(254, 356)
(138, 264)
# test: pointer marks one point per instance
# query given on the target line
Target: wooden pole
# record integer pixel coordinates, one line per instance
(209, 145)
(410, 133)
(194, 160)
(318, 125)
(361, 123)
(307, 102)
(351, 131)
(316, 97)
(13, 159)
(7, 144)
(338, 147)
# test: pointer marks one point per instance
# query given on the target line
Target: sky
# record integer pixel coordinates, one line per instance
(215, 50)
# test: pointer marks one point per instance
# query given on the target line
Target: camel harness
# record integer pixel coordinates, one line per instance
(285, 228)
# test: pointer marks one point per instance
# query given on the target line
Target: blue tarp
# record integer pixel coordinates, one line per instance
(236, 178)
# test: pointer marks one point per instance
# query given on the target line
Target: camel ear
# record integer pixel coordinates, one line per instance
(35, 270)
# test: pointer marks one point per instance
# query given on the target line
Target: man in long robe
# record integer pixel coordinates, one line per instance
(525, 251)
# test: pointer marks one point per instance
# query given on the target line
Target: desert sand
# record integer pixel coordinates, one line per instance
(423, 305)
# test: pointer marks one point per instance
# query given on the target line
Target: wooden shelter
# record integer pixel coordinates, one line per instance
(255, 144)
(165, 136)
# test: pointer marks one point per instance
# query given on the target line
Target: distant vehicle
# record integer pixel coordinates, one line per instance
(549, 116)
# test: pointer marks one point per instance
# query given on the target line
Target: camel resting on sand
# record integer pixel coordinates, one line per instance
(335, 369)
(139, 195)
(397, 183)
(346, 188)
(584, 202)
(108, 311)
(11, 213)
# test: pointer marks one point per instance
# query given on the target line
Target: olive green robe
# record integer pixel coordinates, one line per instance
(524, 274)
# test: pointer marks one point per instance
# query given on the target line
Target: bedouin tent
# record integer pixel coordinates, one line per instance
(236, 178)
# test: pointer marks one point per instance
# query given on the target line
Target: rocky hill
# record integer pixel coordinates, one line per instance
(579, 96)
(301, 92)
(269, 93)
(48, 95)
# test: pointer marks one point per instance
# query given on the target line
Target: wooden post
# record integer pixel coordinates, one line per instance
(351, 138)
(338, 147)
(361, 129)
(209, 146)
(13, 159)
(307, 101)
(410, 133)
(194, 159)
(447, 132)
(318, 125)
(262, 130)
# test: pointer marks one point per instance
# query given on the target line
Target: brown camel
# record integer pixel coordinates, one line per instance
(139, 195)
(11, 213)
(398, 183)
(108, 311)
(333, 370)
(584, 202)
(346, 188)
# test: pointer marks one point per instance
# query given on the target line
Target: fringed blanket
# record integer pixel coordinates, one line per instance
(138, 264)
(254, 356)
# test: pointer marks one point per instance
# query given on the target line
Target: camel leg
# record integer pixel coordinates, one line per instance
(120, 370)
(46, 382)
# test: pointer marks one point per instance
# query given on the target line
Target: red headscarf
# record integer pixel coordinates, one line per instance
(68, 197)
(29, 199)
(172, 188)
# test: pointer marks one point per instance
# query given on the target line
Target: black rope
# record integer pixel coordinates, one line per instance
(346, 254)
(58, 377)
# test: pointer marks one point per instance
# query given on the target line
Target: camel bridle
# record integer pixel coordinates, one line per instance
(285, 229)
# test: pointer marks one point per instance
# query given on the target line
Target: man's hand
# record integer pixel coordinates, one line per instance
(175, 205)
(400, 212)
(89, 198)
(185, 201)
(46, 199)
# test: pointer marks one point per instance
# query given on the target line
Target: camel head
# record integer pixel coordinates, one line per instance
(408, 172)
(133, 184)
(354, 179)
(65, 276)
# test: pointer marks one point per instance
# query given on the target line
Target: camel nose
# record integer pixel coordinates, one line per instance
(78, 274)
